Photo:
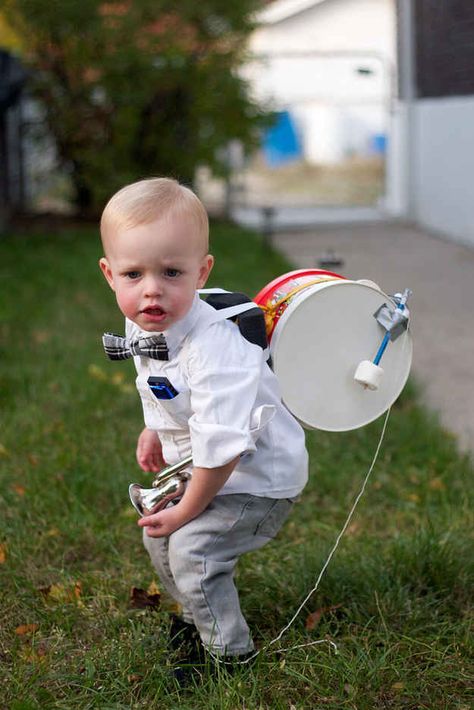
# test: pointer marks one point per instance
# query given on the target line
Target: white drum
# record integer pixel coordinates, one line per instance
(319, 336)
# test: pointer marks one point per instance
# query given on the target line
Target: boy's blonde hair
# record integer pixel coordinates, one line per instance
(146, 200)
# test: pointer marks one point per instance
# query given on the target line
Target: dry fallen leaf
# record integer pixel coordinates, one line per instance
(117, 378)
(97, 372)
(33, 655)
(19, 489)
(176, 608)
(140, 599)
(353, 529)
(52, 532)
(436, 484)
(134, 678)
(3, 451)
(313, 619)
(3, 553)
(59, 593)
(127, 388)
(398, 686)
(33, 459)
(26, 629)
(153, 588)
(41, 336)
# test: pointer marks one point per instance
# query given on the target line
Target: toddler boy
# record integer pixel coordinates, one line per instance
(249, 456)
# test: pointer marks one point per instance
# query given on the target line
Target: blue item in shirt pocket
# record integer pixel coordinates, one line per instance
(162, 387)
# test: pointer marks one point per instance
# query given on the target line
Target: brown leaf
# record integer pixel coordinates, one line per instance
(33, 459)
(3, 553)
(313, 619)
(134, 678)
(59, 593)
(96, 372)
(398, 685)
(117, 378)
(153, 588)
(26, 629)
(34, 655)
(19, 489)
(3, 451)
(52, 532)
(140, 599)
(353, 529)
(41, 336)
(436, 484)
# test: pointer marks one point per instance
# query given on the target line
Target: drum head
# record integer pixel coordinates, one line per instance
(319, 341)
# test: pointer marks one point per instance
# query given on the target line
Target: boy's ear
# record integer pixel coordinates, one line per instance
(107, 271)
(206, 267)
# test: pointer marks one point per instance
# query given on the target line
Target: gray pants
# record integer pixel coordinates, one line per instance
(196, 564)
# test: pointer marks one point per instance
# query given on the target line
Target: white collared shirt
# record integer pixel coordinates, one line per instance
(228, 404)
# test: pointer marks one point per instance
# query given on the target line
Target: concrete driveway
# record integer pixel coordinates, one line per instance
(441, 275)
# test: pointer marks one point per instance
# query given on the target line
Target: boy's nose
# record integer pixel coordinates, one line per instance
(153, 286)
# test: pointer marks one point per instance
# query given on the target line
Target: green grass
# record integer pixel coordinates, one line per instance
(397, 595)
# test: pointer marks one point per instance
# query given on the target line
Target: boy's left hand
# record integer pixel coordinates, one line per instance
(201, 489)
(164, 522)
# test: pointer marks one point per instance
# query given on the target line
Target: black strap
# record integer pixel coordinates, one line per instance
(251, 323)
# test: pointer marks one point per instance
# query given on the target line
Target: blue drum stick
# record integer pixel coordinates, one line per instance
(386, 339)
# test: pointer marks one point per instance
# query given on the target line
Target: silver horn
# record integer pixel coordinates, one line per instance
(170, 483)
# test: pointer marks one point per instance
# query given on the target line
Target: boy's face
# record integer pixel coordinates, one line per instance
(155, 270)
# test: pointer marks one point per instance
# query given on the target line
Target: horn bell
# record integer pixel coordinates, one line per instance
(147, 501)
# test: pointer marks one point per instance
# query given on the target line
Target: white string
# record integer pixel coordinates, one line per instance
(324, 567)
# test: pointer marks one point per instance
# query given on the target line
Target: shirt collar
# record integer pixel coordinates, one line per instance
(179, 330)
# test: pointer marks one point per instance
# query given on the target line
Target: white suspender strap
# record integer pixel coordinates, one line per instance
(213, 290)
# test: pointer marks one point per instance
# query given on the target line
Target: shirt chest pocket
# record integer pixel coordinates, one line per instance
(162, 412)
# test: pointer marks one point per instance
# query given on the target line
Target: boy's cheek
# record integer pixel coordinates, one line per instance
(126, 304)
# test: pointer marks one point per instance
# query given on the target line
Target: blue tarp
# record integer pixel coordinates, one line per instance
(378, 144)
(281, 143)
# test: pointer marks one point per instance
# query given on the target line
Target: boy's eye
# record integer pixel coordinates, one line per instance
(172, 273)
(132, 274)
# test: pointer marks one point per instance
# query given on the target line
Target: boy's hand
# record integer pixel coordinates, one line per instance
(163, 523)
(201, 489)
(149, 451)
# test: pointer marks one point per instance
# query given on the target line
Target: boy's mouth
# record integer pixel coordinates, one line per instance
(154, 311)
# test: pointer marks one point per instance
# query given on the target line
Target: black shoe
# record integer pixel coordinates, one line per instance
(189, 673)
(185, 639)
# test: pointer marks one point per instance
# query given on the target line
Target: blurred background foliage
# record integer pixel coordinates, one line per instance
(134, 88)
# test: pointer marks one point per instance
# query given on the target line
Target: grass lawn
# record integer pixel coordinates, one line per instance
(397, 598)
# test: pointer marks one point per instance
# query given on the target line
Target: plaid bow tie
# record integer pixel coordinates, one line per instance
(118, 348)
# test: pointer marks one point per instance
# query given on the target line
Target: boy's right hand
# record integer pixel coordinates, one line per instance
(149, 451)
